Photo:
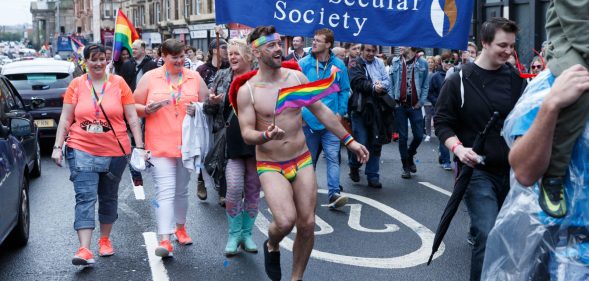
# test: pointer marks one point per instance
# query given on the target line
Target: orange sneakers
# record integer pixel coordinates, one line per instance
(83, 257)
(183, 237)
(105, 247)
(165, 249)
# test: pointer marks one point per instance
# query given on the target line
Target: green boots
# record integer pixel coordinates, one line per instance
(235, 225)
(247, 243)
(240, 233)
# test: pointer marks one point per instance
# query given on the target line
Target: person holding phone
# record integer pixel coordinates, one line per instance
(163, 97)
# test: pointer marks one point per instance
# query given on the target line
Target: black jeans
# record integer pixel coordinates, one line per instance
(484, 198)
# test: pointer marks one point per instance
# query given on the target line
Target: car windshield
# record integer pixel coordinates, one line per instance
(40, 81)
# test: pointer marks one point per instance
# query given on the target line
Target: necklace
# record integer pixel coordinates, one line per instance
(175, 96)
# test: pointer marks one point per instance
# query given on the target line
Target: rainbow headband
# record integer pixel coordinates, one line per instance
(265, 39)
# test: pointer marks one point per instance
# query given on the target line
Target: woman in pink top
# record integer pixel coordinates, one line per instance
(162, 97)
(96, 148)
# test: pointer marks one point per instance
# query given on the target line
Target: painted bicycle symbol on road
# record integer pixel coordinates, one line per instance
(412, 259)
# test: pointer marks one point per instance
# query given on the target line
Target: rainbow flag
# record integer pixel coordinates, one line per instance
(76, 47)
(125, 35)
(306, 94)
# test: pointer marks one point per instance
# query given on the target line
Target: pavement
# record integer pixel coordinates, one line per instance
(381, 234)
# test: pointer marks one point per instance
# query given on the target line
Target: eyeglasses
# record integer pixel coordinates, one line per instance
(448, 61)
(317, 41)
(536, 66)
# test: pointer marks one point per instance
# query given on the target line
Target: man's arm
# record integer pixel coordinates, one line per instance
(530, 155)
(424, 85)
(247, 121)
(384, 77)
(330, 121)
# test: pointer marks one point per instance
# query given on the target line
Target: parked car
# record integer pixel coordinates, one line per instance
(14, 107)
(14, 196)
(42, 82)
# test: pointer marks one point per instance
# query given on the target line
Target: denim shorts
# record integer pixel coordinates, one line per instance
(94, 177)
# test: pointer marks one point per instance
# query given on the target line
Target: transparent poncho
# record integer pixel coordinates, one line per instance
(526, 244)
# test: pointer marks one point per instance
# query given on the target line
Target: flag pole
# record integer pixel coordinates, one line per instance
(275, 104)
(218, 49)
(112, 57)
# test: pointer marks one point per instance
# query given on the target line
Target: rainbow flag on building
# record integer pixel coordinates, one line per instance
(306, 94)
(125, 34)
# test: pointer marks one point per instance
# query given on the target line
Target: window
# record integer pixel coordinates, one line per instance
(9, 104)
(135, 17)
(176, 7)
(141, 15)
(151, 15)
(187, 8)
(167, 9)
(158, 11)
(106, 10)
(198, 3)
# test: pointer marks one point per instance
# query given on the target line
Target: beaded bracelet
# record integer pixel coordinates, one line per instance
(265, 136)
(347, 139)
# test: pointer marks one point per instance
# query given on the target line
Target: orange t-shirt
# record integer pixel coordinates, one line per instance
(116, 95)
(163, 128)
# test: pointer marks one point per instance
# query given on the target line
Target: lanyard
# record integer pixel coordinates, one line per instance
(317, 68)
(93, 94)
(175, 98)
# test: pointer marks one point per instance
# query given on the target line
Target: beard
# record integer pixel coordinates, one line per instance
(269, 61)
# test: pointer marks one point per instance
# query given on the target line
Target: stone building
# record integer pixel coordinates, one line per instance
(45, 20)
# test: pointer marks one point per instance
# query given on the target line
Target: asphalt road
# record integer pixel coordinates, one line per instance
(383, 234)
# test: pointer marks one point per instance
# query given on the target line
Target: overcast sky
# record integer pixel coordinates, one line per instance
(15, 12)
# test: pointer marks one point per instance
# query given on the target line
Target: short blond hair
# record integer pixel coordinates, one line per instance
(243, 48)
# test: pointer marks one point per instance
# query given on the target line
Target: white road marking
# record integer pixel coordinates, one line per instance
(138, 190)
(354, 221)
(413, 259)
(436, 188)
(158, 270)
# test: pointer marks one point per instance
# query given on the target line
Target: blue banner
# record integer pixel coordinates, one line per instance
(414, 23)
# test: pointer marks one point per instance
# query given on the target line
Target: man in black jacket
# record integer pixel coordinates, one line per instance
(488, 85)
(371, 111)
(133, 70)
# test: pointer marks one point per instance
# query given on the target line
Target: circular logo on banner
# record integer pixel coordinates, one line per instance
(439, 14)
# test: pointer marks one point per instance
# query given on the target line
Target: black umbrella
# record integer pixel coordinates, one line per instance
(460, 188)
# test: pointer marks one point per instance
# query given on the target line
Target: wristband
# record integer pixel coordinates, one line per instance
(140, 147)
(455, 146)
(265, 136)
(145, 110)
(56, 147)
(347, 139)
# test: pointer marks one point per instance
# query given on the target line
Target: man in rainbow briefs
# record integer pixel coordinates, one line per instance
(280, 139)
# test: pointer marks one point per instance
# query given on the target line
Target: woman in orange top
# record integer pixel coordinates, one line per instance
(96, 157)
(162, 97)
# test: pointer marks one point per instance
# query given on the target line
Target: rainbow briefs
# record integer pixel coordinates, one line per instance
(288, 169)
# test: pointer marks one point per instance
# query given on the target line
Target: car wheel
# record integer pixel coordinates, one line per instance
(20, 234)
(36, 171)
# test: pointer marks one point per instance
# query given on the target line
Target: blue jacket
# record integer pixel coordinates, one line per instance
(337, 102)
(421, 79)
(435, 86)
